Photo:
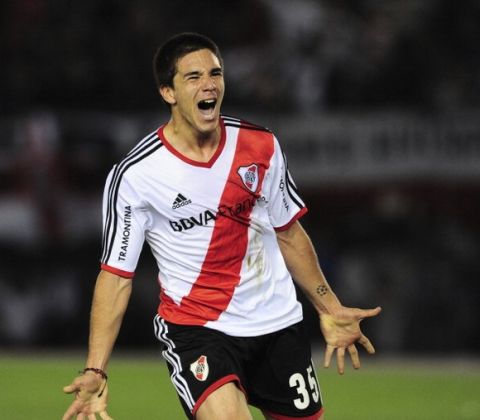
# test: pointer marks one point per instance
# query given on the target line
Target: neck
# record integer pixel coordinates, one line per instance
(199, 146)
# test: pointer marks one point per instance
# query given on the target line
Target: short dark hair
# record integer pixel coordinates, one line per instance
(167, 56)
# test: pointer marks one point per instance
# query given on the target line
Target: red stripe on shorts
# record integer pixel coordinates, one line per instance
(214, 387)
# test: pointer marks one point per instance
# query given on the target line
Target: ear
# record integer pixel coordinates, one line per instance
(168, 94)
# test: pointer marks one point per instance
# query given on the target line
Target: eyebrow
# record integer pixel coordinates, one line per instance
(192, 73)
(198, 72)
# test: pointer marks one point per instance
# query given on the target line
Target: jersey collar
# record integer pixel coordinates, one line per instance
(186, 159)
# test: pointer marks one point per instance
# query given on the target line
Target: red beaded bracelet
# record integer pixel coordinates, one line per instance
(97, 371)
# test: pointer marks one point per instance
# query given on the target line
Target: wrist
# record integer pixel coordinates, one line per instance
(97, 371)
(325, 301)
(330, 308)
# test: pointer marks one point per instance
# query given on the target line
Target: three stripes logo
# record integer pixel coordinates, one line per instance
(180, 201)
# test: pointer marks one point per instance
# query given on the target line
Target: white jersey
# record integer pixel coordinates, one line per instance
(211, 228)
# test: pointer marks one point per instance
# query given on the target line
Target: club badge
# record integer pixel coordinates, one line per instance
(249, 176)
(199, 368)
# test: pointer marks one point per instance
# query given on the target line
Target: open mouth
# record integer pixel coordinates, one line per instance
(207, 104)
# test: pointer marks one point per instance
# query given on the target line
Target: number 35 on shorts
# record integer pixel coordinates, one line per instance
(306, 385)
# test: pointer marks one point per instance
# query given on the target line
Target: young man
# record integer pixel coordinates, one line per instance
(213, 198)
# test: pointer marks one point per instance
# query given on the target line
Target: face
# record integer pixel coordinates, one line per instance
(197, 93)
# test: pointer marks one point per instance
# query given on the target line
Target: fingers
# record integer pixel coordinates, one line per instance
(328, 356)
(368, 313)
(70, 389)
(352, 350)
(341, 360)
(71, 412)
(104, 415)
(365, 342)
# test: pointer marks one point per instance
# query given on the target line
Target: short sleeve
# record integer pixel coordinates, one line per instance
(284, 203)
(124, 224)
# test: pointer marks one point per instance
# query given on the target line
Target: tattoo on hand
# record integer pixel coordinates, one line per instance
(322, 290)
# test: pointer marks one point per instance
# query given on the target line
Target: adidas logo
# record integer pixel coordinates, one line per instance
(180, 201)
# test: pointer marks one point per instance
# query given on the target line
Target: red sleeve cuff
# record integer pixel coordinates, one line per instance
(292, 221)
(117, 271)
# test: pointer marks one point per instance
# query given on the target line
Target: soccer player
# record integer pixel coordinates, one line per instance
(213, 198)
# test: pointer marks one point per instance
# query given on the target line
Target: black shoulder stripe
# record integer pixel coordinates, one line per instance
(118, 172)
(142, 142)
(247, 127)
(291, 185)
(111, 225)
(235, 122)
(146, 148)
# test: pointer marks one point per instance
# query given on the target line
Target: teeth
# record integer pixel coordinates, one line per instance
(207, 103)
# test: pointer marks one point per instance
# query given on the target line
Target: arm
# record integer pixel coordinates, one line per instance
(340, 325)
(110, 300)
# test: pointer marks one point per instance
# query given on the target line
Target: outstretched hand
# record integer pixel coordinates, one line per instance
(341, 331)
(91, 394)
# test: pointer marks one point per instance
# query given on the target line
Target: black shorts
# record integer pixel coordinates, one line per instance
(275, 371)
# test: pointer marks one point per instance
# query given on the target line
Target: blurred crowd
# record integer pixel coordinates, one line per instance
(76, 92)
(303, 55)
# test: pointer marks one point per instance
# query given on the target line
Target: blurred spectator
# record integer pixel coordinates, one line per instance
(321, 54)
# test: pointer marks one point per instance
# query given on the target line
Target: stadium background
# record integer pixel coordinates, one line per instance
(376, 103)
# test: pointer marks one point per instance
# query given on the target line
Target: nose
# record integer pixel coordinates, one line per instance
(209, 83)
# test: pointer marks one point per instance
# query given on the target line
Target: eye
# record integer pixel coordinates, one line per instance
(194, 75)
